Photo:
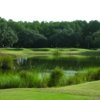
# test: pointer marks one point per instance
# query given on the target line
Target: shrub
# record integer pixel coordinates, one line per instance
(6, 63)
(55, 77)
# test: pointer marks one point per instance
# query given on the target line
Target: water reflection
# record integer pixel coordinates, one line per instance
(21, 60)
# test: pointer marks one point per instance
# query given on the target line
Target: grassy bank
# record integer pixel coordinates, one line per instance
(49, 51)
(86, 91)
(29, 94)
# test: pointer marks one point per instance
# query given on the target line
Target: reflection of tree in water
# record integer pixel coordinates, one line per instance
(22, 60)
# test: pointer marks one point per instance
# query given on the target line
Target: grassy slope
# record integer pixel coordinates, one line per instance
(44, 51)
(31, 94)
(86, 91)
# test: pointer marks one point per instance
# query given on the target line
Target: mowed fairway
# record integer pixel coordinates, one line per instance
(31, 94)
(24, 52)
(85, 91)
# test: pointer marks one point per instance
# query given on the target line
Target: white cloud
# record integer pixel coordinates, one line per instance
(50, 10)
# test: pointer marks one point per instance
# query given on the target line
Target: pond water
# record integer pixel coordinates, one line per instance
(70, 72)
(68, 63)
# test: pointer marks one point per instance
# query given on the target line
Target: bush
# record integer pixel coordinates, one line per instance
(6, 63)
(55, 77)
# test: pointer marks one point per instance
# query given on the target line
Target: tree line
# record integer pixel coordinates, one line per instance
(75, 34)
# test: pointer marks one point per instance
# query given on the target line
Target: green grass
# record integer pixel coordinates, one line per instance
(91, 89)
(30, 94)
(86, 91)
(24, 52)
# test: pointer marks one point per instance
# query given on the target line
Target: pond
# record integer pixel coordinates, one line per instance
(68, 62)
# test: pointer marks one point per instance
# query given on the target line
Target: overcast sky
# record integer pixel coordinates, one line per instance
(50, 10)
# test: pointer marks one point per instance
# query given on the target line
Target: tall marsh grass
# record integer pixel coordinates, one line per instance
(90, 74)
(23, 79)
(37, 79)
(33, 79)
(9, 80)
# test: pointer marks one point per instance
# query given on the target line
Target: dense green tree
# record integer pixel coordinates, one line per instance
(49, 34)
(61, 38)
(96, 39)
(7, 36)
(93, 26)
(76, 39)
(30, 38)
(89, 41)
